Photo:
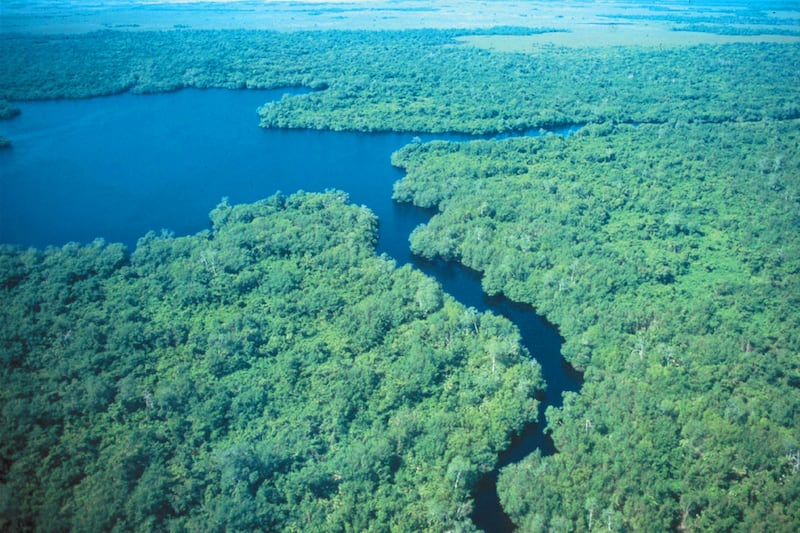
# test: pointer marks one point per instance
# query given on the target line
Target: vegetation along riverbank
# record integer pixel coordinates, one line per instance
(661, 240)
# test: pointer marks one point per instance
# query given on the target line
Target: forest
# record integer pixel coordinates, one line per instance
(415, 80)
(274, 373)
(669, 257)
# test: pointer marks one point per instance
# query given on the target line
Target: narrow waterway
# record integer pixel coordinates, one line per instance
(118, 167)
(544, 343)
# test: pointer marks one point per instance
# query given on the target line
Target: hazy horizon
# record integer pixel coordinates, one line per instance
(580, 23)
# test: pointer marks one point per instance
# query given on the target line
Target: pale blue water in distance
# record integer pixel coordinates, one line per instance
(118, 167)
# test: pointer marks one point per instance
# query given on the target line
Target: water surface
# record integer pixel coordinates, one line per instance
(118, 167)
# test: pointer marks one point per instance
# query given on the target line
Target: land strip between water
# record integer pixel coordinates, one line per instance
(666, 253)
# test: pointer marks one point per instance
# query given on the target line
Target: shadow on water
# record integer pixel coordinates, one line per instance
(542, 341)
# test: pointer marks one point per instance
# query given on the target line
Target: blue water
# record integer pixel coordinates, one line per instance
(120, 166)
(117, 167)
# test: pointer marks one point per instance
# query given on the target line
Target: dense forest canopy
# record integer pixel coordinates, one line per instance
(669, 256)
(271, 374)
(662, 240)
(415, 80)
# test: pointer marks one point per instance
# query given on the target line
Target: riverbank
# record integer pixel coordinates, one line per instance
(129, 129)
(666, 252)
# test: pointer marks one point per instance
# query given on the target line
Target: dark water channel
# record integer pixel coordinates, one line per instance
(118, 167)
(543, 342)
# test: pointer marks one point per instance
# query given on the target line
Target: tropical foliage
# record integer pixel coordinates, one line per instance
(669, 257)
(415, 80)
(275, 374)
(272, 374)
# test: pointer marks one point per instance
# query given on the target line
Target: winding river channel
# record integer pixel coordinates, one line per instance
(117, 167)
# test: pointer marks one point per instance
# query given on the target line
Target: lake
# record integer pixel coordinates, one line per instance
(120, 166)
(117, 167)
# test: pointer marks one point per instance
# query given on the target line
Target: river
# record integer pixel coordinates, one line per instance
(117, 167)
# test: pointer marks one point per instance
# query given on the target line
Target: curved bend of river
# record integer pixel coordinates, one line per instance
(120, 166)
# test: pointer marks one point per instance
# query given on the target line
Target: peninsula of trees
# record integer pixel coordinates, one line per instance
(669, 256)
(415, 80)
(177, 386)
(270, 374)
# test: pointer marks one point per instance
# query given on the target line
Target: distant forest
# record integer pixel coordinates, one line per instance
(415, 80)
(273, 373)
